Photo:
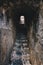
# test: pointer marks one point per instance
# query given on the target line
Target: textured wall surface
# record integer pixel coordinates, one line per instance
(6, 43)
(36, 47)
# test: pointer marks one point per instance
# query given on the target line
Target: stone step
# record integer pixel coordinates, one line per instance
(24, 44)
(19, 41)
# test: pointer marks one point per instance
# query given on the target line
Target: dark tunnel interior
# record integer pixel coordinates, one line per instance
(31, 16)
(23, 20)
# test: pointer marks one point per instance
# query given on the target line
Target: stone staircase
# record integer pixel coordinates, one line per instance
(20, 53)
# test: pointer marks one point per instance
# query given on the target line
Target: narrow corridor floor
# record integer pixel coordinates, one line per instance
(20, 53)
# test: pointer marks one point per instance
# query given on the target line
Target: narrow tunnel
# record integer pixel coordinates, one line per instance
(23, 20)
(20, 39)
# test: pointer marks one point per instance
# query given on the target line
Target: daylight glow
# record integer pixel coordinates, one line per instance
(22, 20)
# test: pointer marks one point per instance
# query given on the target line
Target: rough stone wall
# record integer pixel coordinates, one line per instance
(36, 47)
(7, 35)
(39, 45)
(6, 42)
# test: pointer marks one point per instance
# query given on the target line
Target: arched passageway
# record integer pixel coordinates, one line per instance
(21, 46)
(25, 22)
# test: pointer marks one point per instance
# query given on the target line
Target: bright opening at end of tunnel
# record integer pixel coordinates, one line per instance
(22, 20)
